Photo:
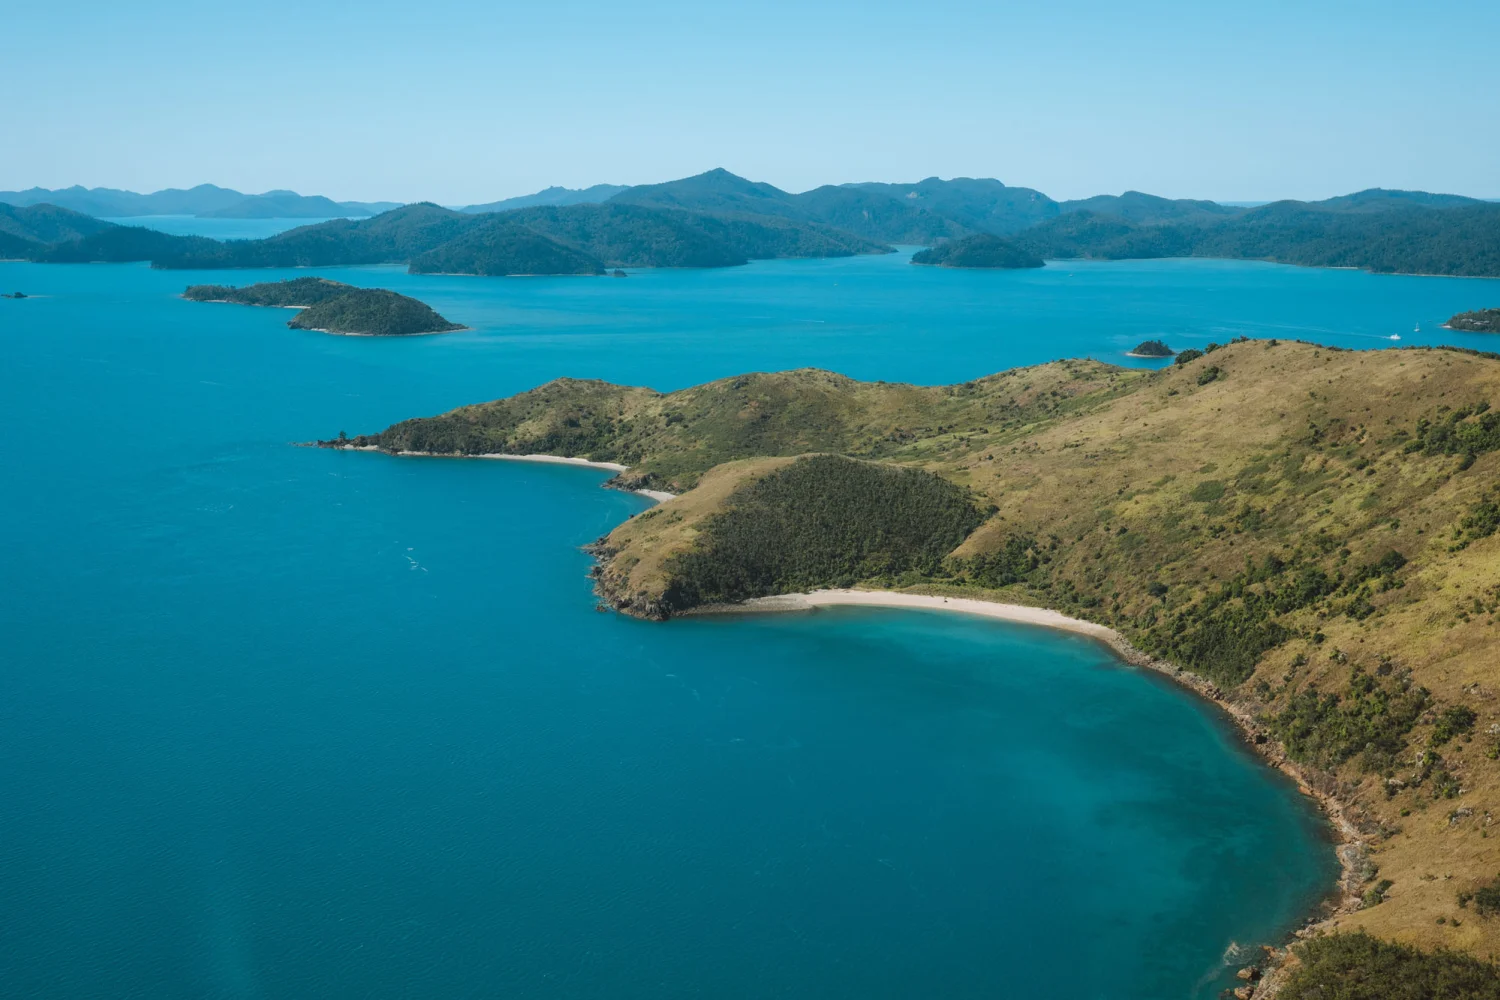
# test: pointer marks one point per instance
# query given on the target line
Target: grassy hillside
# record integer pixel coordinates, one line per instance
(333, 307)
(1316, 532)
(980, 250)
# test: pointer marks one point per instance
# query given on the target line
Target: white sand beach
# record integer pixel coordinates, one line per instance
(558, 459)
(660, 496)
(963, 605)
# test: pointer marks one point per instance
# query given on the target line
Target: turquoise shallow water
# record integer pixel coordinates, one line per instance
(278, 722)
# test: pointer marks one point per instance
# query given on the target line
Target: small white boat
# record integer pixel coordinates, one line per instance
(1418, 329)
(1395, 336)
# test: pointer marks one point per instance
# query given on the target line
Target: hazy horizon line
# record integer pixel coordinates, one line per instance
(1237, 201)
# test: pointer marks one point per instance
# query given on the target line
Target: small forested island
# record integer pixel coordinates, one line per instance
(1281, 526)
(979, 250)
(1151, 349)
(333, 307)
(1479, 321)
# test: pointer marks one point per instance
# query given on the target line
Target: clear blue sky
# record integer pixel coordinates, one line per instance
(461, 102)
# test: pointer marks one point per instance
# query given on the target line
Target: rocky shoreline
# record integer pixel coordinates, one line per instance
(1346, 822)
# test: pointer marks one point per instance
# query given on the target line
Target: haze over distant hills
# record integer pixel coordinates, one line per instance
(205, 200)
(718, 219)
(552, 196)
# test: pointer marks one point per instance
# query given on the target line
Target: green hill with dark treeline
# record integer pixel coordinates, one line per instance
(576, 239)
(121, 245)
(974, 203)
(1479, 321)
(717, 219)
(1385, 199)
(504, 247)
(1148, 209)
(372, 312)
(294, 293)
(42, 224)
(980, 250)
(1152, 349)
(822, 518)
(333, 307)
(391, 237)
(1406, 238)
(633, 236)
(554, 195)
(872, 215)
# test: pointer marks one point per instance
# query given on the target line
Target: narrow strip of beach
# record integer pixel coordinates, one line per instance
(966, 605)
(660, 496)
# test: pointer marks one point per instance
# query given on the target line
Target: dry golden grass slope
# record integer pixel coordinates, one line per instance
(1136, 498)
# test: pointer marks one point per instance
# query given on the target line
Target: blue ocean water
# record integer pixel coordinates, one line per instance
(278, 722)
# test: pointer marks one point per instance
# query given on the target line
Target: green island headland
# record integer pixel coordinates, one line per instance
(1478, 321)
(1151, 349)
(333, 307)
(1310, 537)
(982, 250)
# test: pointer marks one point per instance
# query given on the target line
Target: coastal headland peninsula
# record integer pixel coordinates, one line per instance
(1305, 535)
(980, 250)
(1478, 321)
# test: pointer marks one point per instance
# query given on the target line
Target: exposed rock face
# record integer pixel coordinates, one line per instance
(611, 586)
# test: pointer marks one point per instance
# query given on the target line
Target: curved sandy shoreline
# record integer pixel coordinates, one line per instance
(660, 496)
(965, 605)
(1350, 846)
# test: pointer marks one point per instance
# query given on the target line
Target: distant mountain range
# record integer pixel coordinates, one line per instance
(551, 196)
(205, 200)
(717, 219)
